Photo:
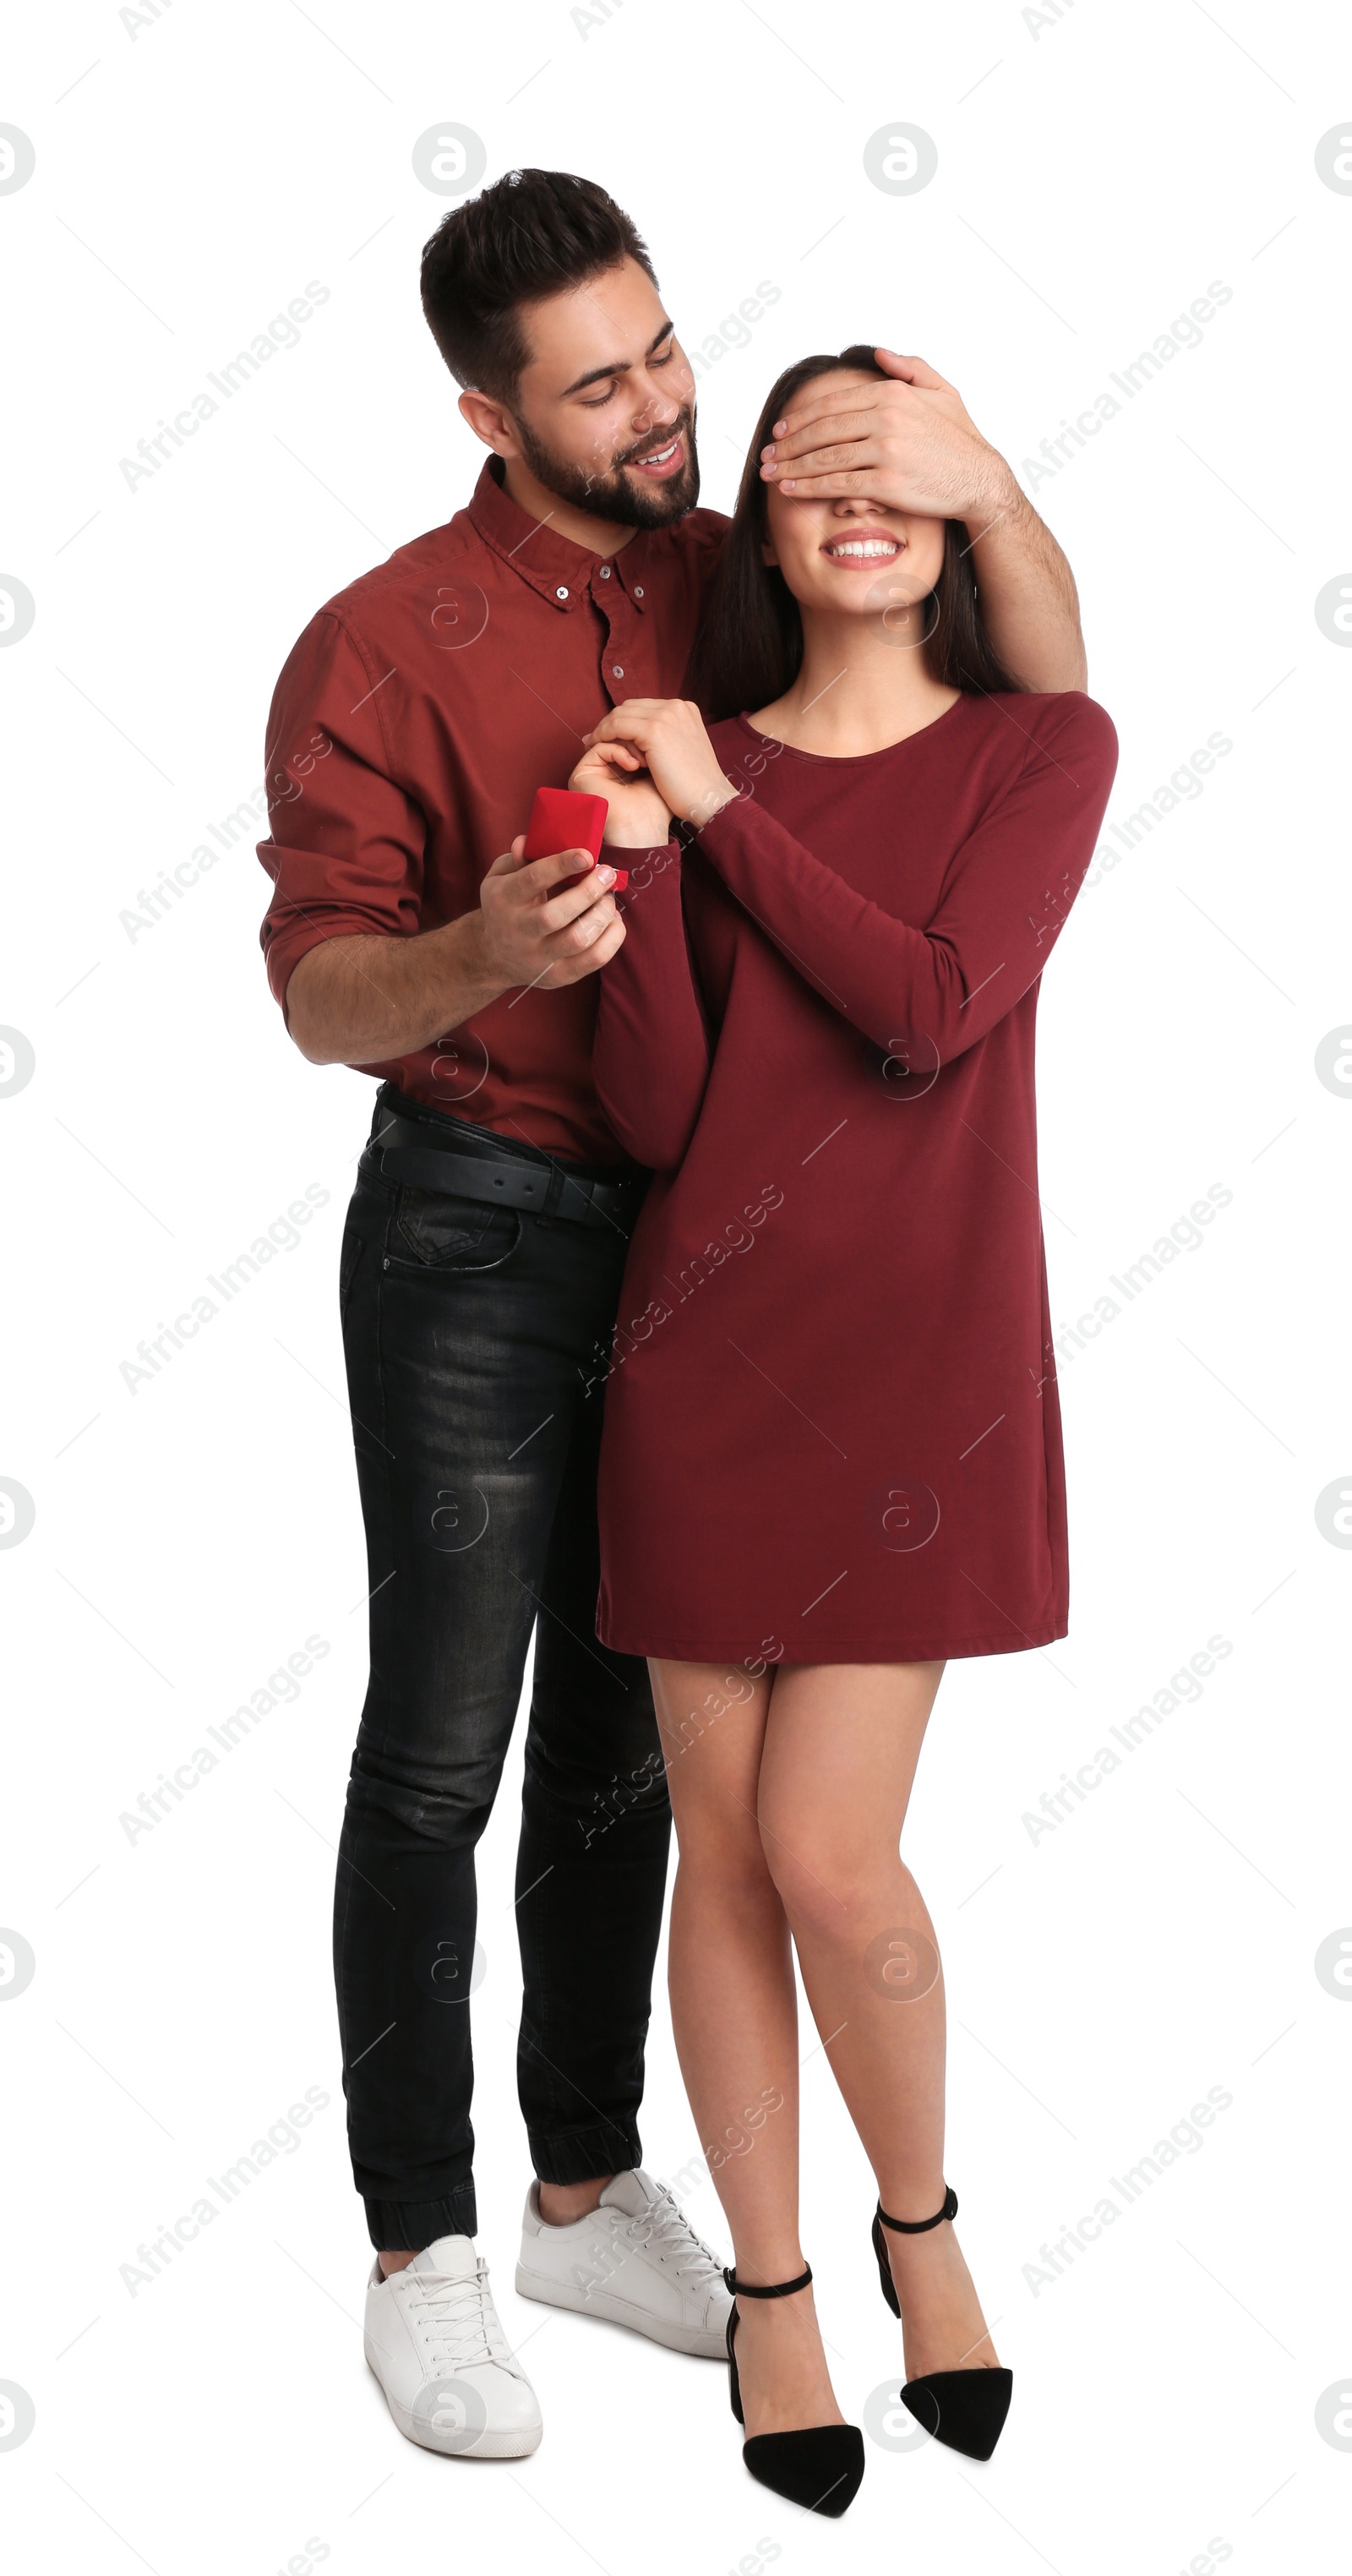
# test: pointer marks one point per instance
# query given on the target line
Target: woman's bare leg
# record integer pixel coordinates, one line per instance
(839, 1757)
(734, 2014)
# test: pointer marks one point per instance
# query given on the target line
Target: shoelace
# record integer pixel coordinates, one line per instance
(461, 2326)
(663, 2224)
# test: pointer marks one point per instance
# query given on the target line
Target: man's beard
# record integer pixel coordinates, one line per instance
(610, 495)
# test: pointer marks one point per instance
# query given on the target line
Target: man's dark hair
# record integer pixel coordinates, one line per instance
(533, 233)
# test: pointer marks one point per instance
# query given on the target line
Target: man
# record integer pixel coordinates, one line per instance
(485, 1242)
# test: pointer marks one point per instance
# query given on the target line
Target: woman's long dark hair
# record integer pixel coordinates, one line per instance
(749, 648)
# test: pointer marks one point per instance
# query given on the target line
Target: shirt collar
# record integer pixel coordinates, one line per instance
(559, 570)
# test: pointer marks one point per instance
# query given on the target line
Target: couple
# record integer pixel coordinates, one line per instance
(637, 1148)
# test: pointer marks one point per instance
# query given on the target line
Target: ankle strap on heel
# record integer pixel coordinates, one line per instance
(920, 2226)
(764, 2290)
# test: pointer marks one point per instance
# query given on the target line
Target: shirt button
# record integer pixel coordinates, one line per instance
(560, 593)
(638, 592)
(605, 572)
(616, 671)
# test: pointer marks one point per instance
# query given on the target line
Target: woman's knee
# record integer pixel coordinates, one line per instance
(826, 1882)
(721, 1860)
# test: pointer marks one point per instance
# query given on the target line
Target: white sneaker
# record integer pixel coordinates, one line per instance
(636, 2260)
(436, 2347)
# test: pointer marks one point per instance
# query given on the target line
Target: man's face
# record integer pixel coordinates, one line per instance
(605, 410)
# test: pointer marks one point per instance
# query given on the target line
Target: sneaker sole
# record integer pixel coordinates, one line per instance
(698, 2341)
(512, 2445)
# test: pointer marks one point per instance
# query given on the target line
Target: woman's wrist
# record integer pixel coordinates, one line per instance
(643, 829)
(710, 801)
(628, 836)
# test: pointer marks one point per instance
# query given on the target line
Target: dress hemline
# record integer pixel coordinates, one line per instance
(854, 1650)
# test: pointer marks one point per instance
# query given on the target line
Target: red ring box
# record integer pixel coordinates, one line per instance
(560, 819)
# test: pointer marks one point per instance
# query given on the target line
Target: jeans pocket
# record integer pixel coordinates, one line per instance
(436, 1231)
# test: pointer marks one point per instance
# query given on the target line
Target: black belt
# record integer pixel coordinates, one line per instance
(419, 1156)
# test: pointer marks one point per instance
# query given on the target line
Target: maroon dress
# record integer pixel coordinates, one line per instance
(832, 1432)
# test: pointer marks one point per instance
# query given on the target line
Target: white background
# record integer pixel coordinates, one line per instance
(1095, 173)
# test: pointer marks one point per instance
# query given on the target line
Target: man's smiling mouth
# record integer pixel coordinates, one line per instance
(660, 460)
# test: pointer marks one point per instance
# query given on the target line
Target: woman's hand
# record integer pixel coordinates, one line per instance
(638, 819)
(668, 733)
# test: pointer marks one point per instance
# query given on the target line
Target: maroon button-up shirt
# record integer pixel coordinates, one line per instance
(410, 727)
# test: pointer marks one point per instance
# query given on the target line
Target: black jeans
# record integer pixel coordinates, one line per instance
(475, 1338)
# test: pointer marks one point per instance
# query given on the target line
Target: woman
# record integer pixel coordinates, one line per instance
(832, 1454)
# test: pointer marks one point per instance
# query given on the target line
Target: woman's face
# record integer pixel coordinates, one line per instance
(850, 556)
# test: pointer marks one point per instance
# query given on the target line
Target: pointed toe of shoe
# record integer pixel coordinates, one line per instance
(819, 2469)
(964, 2408)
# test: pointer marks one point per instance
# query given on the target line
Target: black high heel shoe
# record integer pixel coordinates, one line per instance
(964, 2408)
(820, 2467)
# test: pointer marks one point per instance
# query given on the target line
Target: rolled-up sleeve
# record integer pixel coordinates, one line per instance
(347, 847)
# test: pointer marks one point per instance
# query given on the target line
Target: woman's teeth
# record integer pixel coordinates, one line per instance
(867, 549)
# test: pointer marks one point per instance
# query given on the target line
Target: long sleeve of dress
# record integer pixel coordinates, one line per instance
(651, 1052)
(928, 993)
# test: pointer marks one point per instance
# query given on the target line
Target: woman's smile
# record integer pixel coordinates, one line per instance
(861, 550)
